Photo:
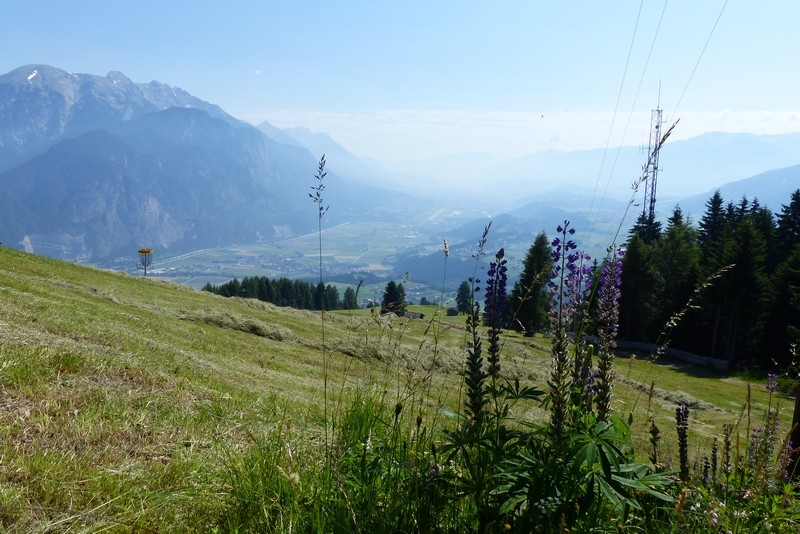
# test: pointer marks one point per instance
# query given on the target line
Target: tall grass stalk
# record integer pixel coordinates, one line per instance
(322, 209)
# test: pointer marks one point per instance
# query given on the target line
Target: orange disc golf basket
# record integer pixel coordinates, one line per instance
(145, 258)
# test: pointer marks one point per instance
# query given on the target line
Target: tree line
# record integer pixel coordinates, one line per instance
(286, 292)
(305, 295)
(728, 288)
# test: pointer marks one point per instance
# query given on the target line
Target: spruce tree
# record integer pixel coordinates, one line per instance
(464, 297)
(712, 230)
(332, 298)
(394, 298)
(529, 299)
(677, 266)
(319, 302)
(349, 302)
(746, 296)
(783, 326)
(637, 316)
(789, 226)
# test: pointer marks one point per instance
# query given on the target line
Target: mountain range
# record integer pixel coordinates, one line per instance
(94, 167)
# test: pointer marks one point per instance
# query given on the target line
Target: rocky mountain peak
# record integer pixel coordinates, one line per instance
(40, 104)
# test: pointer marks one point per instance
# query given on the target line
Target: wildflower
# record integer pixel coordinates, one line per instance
(474, 375)
(784, 461)
(495, 305)
(757, 442)
(608, 315)
(655, 437)
(435, 469)
(591, 385)
(727, 467)
(772, 382)
(564, 293)
(714, 460)
(682, 424)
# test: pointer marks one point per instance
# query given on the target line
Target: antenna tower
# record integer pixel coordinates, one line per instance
(649, 206)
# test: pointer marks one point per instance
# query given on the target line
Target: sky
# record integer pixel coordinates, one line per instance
(414, 80)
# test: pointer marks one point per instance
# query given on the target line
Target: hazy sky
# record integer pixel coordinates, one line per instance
(411, 80)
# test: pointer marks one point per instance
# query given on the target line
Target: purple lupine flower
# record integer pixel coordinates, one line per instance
(591, 383)
(682, 424)
(756, 443)
(495, 299)
(608, 291)
(783, 471)
(495, 304)
(682, 414)
(569, 285)
(559, 373)
(578, 283)
(772, 382)
(608, 295)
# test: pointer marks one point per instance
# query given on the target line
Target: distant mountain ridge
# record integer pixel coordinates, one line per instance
(93, 167)
(773, 189)
(40, 104)
(96, 167)
(687, 167)
(175, 179)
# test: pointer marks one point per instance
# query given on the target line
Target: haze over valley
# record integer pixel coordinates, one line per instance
(399, 267)
(95, 167)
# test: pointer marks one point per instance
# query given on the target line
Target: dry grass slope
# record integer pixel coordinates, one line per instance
(122, 399)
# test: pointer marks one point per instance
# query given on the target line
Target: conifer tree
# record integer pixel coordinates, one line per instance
(349, 301)
(529, 298)
(332, 297)
(746, 296)
(712, 231)
(394, 298)
(319, 301)
(677, 269)
(637, 316)
(464, 297)
(783, 326)
(789, 226)
(646, 228)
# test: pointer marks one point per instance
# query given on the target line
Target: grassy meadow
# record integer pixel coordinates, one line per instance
(129, 404)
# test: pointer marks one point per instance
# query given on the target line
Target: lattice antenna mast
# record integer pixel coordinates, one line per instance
(649, 206)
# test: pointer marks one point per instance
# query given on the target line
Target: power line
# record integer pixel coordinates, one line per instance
(616, 107)
(633, 106)
(635, 99)
(686, 87)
